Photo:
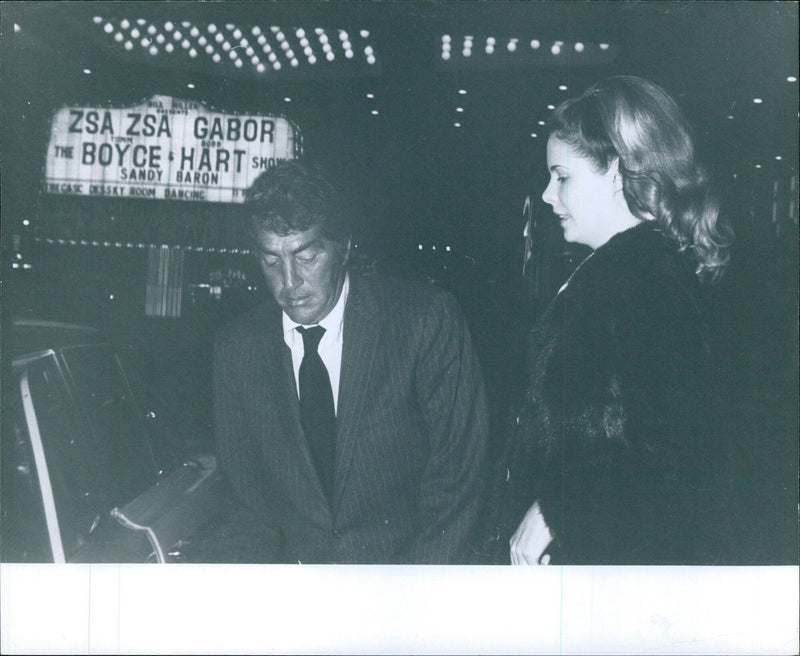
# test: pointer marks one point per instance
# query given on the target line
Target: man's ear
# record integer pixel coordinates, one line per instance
(346, 257)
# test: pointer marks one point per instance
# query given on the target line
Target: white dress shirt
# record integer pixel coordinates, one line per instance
(330, 346)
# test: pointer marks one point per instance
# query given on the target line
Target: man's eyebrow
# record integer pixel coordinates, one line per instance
(300, 248)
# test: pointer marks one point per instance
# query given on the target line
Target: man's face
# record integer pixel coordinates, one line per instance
(304, 272)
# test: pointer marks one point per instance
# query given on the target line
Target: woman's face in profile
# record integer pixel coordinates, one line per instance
(583, 199)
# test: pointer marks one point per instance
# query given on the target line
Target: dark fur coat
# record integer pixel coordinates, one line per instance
(616, 436)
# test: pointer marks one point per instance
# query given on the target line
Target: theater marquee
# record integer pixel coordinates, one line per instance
(164, 148)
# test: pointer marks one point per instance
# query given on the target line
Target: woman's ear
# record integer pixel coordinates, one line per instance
(616, 176)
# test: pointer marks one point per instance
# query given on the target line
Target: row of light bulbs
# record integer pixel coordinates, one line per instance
(468, 43)
(225, 42)
(198, 249)
(119, 244)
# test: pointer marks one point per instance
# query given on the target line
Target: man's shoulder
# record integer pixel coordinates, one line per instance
(394, 294)
(254, 323)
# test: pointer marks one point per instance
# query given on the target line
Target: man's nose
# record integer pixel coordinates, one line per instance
(291, 277)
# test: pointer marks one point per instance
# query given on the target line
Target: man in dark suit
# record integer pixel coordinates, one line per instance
(362, 441)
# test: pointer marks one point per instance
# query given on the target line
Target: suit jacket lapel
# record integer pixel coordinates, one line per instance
(360, 341)
(282, 399)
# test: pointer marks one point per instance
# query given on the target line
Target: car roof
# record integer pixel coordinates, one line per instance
(34, 335)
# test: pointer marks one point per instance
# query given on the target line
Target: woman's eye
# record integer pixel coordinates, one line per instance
(562, 179)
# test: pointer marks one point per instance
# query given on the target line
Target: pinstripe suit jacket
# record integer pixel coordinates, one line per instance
(411, 434)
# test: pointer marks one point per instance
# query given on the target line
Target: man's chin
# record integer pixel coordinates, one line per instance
(305, 316)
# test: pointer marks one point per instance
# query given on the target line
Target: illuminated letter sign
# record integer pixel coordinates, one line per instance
(164, 148)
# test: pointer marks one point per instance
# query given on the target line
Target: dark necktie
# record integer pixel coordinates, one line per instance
(317, 413)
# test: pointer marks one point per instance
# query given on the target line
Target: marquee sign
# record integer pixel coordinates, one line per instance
(164, 148)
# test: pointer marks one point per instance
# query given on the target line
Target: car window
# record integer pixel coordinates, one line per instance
(121, 457)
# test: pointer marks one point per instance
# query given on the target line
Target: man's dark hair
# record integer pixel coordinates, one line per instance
(295, 196)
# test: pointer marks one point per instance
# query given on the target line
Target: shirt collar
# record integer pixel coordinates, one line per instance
(332, 323)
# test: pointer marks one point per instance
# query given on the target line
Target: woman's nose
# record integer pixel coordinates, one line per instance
(547, 194)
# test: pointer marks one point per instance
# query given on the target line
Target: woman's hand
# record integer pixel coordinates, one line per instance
(531, 539)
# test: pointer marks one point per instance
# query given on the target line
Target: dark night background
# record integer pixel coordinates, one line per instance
(411, 178)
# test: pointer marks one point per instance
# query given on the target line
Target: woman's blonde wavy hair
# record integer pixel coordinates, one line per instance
(637, 122)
